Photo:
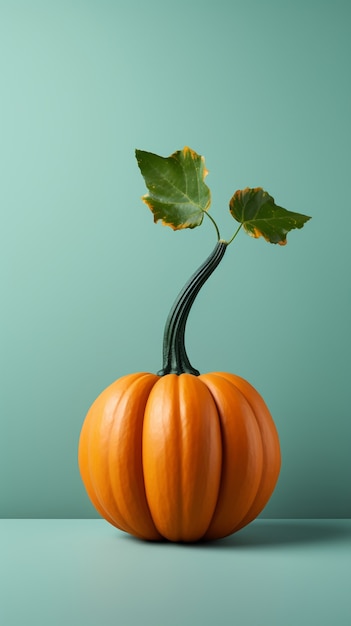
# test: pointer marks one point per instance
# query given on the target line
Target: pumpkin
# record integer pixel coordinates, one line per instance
(180, 455)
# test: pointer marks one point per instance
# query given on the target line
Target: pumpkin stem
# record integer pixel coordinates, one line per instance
(175, 358)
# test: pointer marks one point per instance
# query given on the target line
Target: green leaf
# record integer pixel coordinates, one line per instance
(256, 210)
(177, 193)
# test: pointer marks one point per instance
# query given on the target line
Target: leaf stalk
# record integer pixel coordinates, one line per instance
(214, 224)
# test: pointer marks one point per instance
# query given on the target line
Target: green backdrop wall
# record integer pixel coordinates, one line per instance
(262, 89)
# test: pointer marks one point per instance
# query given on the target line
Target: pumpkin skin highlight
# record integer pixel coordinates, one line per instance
(179, 457)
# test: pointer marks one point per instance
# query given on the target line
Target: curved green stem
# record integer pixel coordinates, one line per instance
(217, 229)
(214, 224)
(175, 358)
(235, 234)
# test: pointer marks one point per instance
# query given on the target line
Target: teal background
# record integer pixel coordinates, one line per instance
(262, 89)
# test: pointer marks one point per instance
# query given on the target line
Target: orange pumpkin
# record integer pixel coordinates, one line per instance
(179, 455)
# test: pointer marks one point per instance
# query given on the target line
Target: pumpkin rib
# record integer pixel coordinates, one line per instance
(242, 456)
(101, 420)
(161, 470)
(86, 452)
(271, 447)
(181, 456)
(85, 470)
(129, 493)
(162, 453)
(96, 446)
(214, 431)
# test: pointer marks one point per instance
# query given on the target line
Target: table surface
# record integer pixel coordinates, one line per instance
(87, 573)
